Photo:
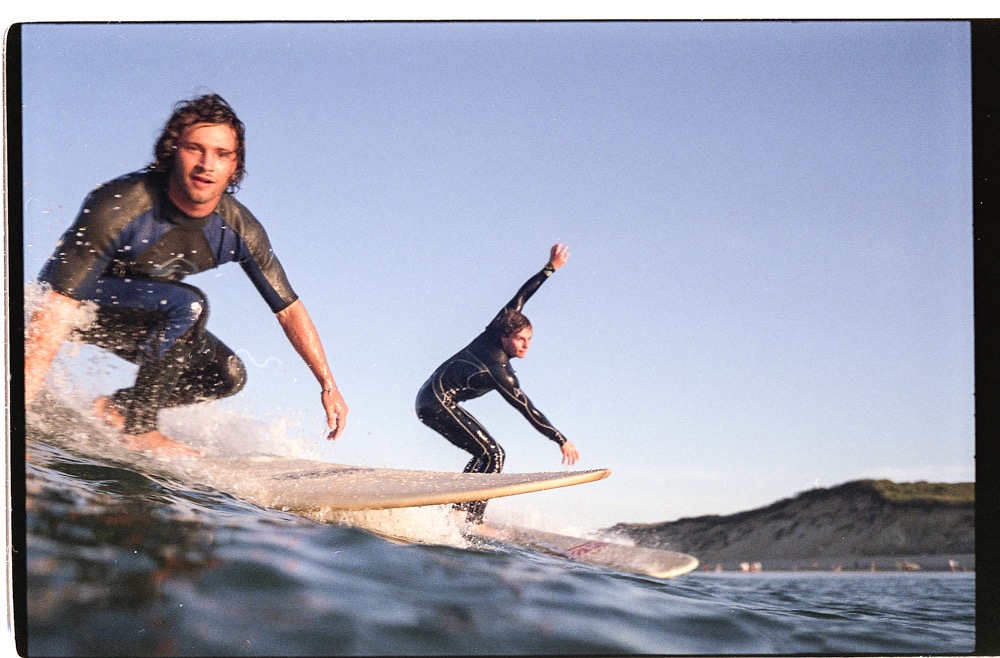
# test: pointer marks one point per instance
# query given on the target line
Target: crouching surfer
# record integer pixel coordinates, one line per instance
(128, 250)
(483, 366)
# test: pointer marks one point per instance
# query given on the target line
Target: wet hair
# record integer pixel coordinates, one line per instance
(511, 322)
(210, 108)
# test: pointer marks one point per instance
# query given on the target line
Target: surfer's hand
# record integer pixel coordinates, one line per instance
(570, 454)
(558, 255)
(336, 412)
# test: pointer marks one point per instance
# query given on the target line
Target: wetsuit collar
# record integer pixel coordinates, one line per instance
(175, 215)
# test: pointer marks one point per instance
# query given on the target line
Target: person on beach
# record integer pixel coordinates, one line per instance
(132, 243)
(484, 366)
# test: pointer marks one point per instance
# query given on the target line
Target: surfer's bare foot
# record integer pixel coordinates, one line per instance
(105, 409)
(154, 440)
(486, 530)
(161, 444)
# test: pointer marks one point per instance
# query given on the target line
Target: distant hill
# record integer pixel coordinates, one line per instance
(854, 525)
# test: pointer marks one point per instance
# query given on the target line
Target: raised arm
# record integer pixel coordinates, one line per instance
(302, 334)
(558, 256)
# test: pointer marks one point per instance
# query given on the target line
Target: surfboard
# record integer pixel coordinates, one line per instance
(635, 559)
(303, 486)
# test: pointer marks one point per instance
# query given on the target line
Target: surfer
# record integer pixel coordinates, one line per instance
(483, 366)
(132, 243)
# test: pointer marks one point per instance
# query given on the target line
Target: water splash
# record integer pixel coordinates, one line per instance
(432, 524)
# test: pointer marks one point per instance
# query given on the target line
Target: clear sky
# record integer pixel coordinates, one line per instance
(770, 286)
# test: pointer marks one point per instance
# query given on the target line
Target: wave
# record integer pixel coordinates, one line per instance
(146, 558)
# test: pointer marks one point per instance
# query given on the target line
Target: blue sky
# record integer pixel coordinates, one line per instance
(770, 285)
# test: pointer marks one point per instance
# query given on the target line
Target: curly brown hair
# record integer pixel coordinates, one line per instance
(210, 108)
(512, 322)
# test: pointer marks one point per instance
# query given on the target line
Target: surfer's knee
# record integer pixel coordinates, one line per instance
(237, 374)
(234, 376)
(226, 371)
(493, 455)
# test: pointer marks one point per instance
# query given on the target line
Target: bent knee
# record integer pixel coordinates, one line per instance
(234, 376)
(497, 456)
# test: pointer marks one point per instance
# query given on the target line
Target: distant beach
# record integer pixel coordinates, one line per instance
(961, 563)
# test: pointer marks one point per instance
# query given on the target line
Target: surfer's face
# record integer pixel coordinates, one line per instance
(516, 345)
(203, 165)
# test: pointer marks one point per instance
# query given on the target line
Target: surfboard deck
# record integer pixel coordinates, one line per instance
(301, 485)
(635, 559)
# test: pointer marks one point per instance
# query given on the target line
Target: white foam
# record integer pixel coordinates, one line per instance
(80, 373)
(431, 524)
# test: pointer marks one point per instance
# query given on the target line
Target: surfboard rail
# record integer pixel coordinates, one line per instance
(301, 485)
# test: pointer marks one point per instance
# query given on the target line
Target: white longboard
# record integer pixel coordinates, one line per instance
(301, 485)
(636, 559)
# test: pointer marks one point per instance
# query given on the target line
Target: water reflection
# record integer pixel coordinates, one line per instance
(101, 546)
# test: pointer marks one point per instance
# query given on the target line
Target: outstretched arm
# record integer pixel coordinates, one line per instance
(48, 327)
(511, 391)
(505, 382)
(302, 334)
(558, 256)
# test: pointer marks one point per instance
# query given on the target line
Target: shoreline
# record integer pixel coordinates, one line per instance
(957, 563)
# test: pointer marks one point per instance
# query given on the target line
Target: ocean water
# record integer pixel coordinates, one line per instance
(130, 558)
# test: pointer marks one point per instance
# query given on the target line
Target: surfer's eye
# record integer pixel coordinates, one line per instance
(199, 151)
(193, 149)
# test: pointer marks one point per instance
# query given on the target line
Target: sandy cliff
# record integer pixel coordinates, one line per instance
(855, 525)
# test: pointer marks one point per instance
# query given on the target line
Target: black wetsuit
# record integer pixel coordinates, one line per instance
(482, 366)
(128, 251)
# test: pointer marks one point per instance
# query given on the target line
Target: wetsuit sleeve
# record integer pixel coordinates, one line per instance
(529, 288)
(268, 276)
(257, 258)
(508, 386)
(96, 236)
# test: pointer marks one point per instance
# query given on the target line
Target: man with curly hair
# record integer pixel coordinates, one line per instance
(132, 243)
